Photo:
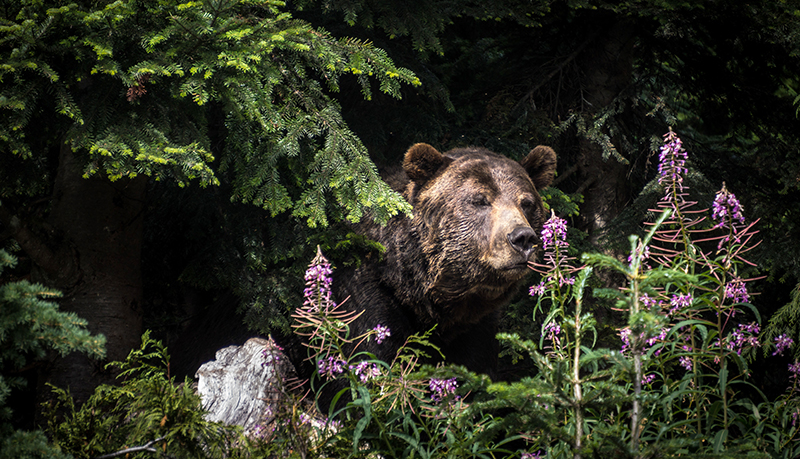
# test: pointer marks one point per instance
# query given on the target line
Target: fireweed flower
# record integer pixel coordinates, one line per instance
(686, 363)
(737, 291)
(648, 301)
(441, 388)
(641, 252)
(672, 164)
(626, 333)
(537, 290)
(271, 353)
(727, 214)
(551, 332)
(743, 335)
(554, 242)
(658, 337)
(625, 336)
(680, 301)
(782, 343)
(330, 367)
(318, 293)
(554, 232)
(365, 371)
(794, 369)
(381, 333)
(726, 209)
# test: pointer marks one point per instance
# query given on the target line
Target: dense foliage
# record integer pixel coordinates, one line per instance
(148, 409)
(678, 383)
(147, 88)
(104, 100)
(263, 116)
(30, 326)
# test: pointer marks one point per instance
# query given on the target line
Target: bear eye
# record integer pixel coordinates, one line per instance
(479, 200)
(528, 206)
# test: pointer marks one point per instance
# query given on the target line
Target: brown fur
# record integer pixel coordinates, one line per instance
(455, 264)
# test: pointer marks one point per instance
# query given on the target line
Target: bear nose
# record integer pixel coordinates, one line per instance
(523, 240)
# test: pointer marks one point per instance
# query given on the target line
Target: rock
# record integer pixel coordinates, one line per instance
(244, 384)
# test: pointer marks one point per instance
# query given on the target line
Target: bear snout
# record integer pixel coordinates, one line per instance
(524, 240)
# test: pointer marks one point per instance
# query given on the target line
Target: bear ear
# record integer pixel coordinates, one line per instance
(541, 166)
(422, 161)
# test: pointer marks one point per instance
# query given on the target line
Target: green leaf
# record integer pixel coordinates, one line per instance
(719, 440)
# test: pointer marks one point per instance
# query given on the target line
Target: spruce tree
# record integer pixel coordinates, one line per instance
(99, 97)
(31, 325)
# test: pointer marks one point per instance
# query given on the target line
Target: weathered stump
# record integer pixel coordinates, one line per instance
(244, 384)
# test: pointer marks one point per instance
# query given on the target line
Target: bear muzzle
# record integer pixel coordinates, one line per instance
(524, 240)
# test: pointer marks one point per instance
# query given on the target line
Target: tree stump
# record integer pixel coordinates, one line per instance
(245, 384)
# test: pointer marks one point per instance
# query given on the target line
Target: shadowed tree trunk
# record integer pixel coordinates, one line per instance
(607, 70)
(93, 255)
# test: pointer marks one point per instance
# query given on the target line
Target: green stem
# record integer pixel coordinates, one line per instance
(720, 327)
(637, 390)
(637, 365)
(578, 403)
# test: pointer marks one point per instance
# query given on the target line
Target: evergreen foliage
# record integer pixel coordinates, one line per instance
(31, 325)
(163, 88)
(149, 412)
(786, 319)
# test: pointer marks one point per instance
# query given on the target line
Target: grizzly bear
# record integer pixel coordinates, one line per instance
(458, 260)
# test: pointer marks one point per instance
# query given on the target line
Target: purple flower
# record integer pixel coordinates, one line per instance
(381, 333)
(680, 301)
(365, 371)
(686, 362)
(658, 337)
(555, 267)
(441, 388)
(648, 301)
(551, 332)
(562, 281)
(318, 284)
(794, 369)
(737, 290)
(537, 290)
(743, 335)
(330, 366)
(536, 455)
(625, 336)
(554, 232)
(782, 343)
(642, 251)
(726, 208)
(647, 379)
(672, 163)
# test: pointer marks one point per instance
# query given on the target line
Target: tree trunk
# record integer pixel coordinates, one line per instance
(608, 67)
(96, 239)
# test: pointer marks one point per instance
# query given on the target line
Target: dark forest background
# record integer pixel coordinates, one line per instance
(600, 82)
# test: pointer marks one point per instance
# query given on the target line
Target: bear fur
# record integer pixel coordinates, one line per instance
(477, 216)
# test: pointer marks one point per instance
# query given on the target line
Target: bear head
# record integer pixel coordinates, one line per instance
(477, 216)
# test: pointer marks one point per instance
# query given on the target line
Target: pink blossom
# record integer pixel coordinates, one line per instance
(381, 333)
(782, 343)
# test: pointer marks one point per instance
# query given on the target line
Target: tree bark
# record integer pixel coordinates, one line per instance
(608, 68)
(95, 260)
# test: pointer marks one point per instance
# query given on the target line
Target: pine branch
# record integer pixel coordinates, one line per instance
(135, 449)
